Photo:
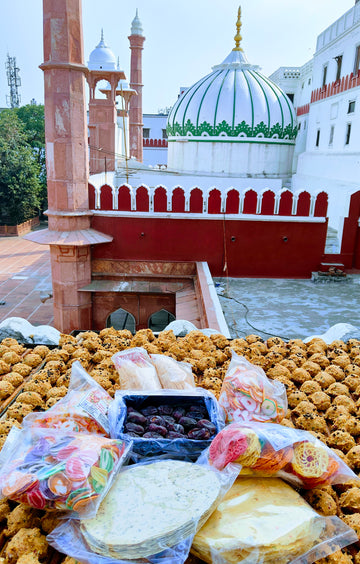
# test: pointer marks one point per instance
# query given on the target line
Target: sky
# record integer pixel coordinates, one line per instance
(183, 39)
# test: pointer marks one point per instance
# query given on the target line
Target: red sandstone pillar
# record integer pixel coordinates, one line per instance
(69, 234)
(136, 113)
(103, 121)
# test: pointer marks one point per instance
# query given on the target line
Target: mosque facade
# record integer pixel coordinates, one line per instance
(145, 239)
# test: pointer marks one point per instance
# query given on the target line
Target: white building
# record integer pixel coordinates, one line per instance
(155, 145)
(327, 101)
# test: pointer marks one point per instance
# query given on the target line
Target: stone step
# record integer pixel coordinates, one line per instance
(324, 266)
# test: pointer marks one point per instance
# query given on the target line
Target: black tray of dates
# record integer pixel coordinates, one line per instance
(178, 425)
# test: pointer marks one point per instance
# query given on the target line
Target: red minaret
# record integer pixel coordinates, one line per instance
(69, 234)
(136, 115)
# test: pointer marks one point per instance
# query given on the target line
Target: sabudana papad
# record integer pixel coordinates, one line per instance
(151, 507)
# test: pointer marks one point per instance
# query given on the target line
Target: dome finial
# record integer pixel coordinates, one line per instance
(102, 34)
(238, 37)
(136, 27)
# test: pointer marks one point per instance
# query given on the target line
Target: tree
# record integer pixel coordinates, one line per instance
(33, 118)
(20, 186)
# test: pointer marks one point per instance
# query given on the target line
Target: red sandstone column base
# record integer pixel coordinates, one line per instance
(71, 269)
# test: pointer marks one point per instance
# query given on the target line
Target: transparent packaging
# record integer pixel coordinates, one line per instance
(265, 521)
(54, 470)
(84, 409)
(135, 369)
(268, 449)
(248, 395)
(173, 375)
(150, 515)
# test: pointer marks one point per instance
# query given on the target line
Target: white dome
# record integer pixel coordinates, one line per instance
(234, 121)
(235, 101)
(102, 58)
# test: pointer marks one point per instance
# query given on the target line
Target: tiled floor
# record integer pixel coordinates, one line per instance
(289, 308)
(24, 274)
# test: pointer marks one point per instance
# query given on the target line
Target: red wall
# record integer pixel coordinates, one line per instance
(284, 249)
(349, 247)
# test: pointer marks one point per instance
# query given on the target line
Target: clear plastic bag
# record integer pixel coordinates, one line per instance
(268, 449)
(173, 375)
(150, 514)
(84, 409)
(265, 521)
(51, 469)
(161, 406)
(135, 369)
(248, 395)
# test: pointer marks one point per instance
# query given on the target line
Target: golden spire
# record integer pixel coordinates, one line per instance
(238, 37)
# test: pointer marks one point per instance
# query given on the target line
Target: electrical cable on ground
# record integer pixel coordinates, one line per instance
(248, 322)
(227, 296)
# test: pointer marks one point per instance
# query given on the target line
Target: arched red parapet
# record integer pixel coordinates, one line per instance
(232, 201)
(124, 199)
(178, 201)
(303, 206)
(196, 201)
(160, 200)
(142, 199)
(92, 197)
(268, 203)
(321, 205)
(286, 203)
(214, 201)
(106, 199)
(151, 142)
(250, 202)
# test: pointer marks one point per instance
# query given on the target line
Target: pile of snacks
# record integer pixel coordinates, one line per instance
(323, 393)
(17, 362)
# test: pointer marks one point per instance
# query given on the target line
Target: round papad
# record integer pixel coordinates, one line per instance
(151, 507)
(259, 520)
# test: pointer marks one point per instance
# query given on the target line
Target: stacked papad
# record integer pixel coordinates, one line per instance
(151, 507)
(259, 520)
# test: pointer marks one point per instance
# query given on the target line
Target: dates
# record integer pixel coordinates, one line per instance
(152, 435)
(199, 434)
(157, 420)
(205, 424)
(170, 422)
(187, 422)
(165, 410)
(153, 428)
(168, 419)
(149, 410)
(178, 413)
(136, 417)
(134, 428)
(174, 435)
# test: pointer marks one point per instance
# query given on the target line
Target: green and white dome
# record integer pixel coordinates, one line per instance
(237, 106)
(236, 101)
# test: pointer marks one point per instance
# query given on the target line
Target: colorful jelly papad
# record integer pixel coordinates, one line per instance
(69, 472)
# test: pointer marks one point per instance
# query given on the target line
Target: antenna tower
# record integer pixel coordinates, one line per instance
(12, 73)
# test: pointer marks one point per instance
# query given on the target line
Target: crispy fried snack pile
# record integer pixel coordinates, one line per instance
(323, 389)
